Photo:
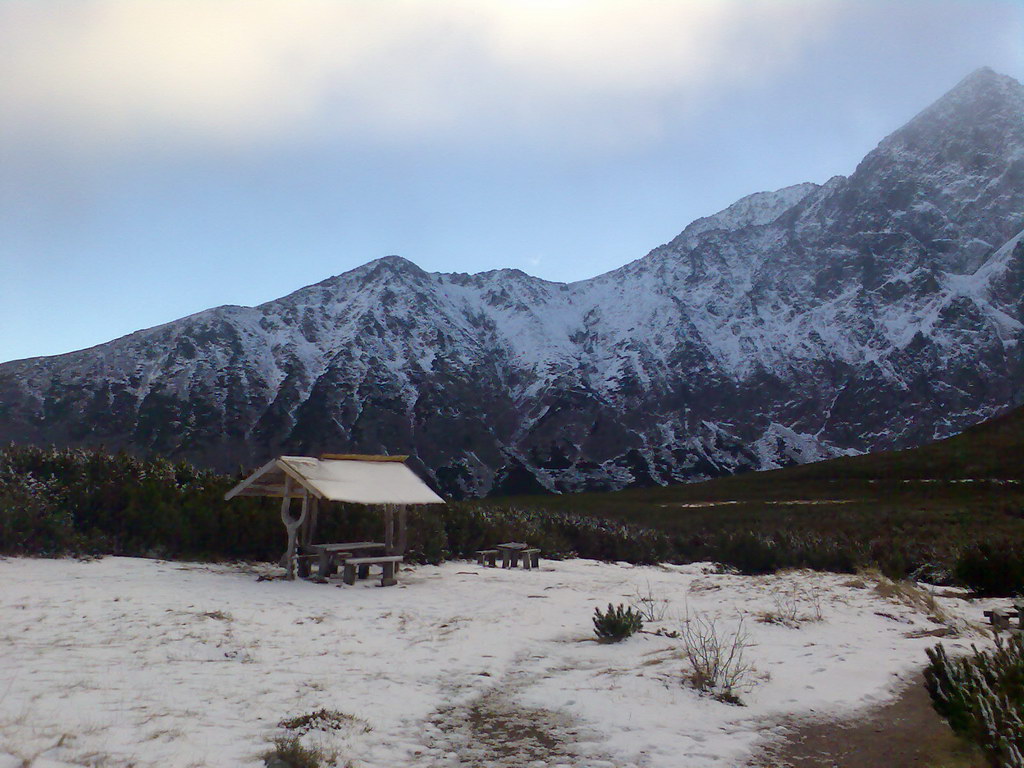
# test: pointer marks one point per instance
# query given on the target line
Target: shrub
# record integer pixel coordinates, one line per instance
(793, 606)
(650, 607)
(289, 752)
(617, 623)
(716, 658)
(981, 696)
(992, 569)
(323, 720)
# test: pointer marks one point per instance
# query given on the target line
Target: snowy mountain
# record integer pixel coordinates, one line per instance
(878, 310)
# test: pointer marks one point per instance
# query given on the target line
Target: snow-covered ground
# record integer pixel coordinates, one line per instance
(127, 662)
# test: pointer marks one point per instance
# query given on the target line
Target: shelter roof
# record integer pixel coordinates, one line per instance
(355, 478)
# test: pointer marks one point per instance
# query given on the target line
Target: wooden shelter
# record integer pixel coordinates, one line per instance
(383, 481)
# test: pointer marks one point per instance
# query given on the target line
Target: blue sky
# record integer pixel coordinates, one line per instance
(159, 158)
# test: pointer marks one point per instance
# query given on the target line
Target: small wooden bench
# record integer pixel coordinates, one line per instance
(1001, 619)
(389, 564)
(488, 557)
(303, 562)
(531, 558)
(330, 555)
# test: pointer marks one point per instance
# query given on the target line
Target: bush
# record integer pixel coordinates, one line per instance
(651, 608)
(992, 569)
(982, 698)
(70, 501)
(289, 752)
(323, 720)
(617, 623)
(716, 658)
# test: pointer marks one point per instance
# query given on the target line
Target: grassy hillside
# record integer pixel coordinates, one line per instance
(912, 511)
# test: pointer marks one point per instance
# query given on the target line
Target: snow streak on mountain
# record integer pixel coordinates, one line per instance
(875, 311)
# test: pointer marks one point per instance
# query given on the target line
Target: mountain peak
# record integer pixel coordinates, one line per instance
(394, 261)
(985, 77)
(981, 94)
(982, 113)
(388, 267)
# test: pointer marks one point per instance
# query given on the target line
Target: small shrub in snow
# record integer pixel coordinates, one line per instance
(617, 623)
(650, 607)
(716, 657)
(981, 696)
(290, 752)
(323, 720)
(793, 607)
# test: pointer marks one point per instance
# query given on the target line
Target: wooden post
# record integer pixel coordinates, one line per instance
(403, 519)
(292, 524)
(314, 517)
(389, 529)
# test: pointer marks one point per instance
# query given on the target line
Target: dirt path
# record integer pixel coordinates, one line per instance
(907, 733)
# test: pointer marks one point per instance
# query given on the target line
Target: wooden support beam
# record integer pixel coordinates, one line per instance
(389, 529)
(359, 457)
(291, 525)
(314, 517)
(403, 521)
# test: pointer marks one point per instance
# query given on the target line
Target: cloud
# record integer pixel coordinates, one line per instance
(252, 72)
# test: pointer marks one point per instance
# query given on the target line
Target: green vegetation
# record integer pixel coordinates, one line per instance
(993, 568)
(952, 512)
(63, 501)
(929, 513)
(982, 698)
(617, 623)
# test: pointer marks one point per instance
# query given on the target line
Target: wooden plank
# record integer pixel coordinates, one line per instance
(297, 477)
(375, 560)
(249, 480)
(345, 545)
(360, 457)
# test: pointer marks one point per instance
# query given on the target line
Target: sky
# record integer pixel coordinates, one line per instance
(158, 158)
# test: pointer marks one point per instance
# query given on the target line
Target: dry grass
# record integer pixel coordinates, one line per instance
(290, 752)
(792, 606)
(909, 594)
(324, 720)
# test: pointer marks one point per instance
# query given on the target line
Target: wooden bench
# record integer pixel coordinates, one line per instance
(1001, 619)
(303, 561)
(329, 555)
(488, 557)
(389, 564)
(531, 558)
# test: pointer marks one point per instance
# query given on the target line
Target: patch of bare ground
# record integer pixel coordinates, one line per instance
(906, 733)
(496, 731)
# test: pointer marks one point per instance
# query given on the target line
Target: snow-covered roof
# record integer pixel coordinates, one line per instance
(354, 478)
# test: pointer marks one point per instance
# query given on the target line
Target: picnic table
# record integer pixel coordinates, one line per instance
(511, 553)
(1001, 619)
(329, 554)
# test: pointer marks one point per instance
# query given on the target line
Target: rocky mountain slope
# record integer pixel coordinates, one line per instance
(878, 310)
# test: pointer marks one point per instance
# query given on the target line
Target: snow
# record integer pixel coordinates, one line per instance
(122, 662)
